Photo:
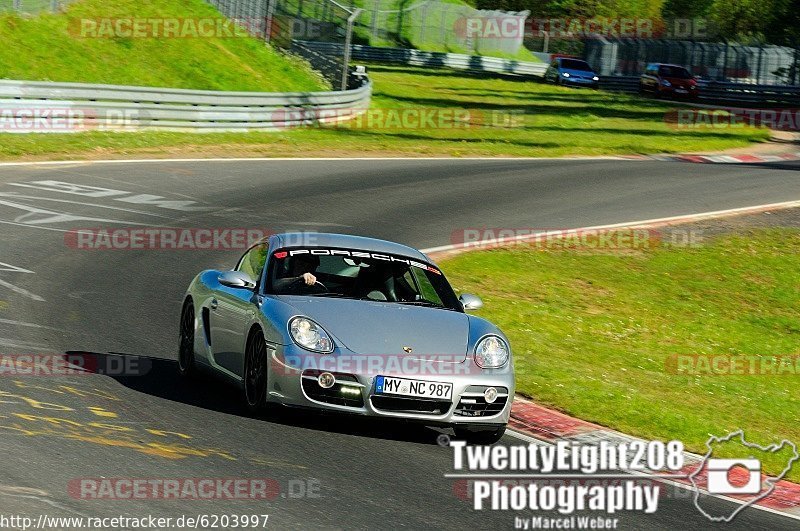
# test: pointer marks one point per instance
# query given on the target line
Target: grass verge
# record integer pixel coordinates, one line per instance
(545, 121)
(593, 333)
(59, 48)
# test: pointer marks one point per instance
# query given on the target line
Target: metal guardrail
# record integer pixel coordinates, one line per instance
(473, 63)
(719, 91)
(714, 91)
(115, 107)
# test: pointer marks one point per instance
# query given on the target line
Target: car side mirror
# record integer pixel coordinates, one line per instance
(470, 302)
(236, 279)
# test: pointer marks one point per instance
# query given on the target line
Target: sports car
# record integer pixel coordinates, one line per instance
(349, 324)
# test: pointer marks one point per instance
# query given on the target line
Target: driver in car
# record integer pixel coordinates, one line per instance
(301, 273)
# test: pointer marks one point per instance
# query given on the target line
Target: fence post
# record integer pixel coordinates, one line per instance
(423, 22)
(758, 67)
(725, 63)
(374, 25)
(17, 5)
(270, 17)
(442, 29)
(347, 40)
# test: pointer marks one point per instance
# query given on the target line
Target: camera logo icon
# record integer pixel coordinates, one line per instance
(720, 480)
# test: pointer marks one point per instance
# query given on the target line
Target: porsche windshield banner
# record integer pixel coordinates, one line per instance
(356, 254)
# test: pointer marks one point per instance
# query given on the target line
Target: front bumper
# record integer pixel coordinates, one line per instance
(295, 384)
(579, 82)
(677, 92)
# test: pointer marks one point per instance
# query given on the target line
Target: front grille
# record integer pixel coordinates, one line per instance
(334, 395)
(395, 404)
(472, 403)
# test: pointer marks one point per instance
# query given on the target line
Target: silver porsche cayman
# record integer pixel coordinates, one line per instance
(350, 324)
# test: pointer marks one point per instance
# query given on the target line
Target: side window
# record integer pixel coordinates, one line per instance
(554, 64)
(426, 289)
(253, 261)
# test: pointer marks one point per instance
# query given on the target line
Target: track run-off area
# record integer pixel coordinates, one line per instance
(324, 471)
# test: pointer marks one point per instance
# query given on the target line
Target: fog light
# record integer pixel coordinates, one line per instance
(326, 380)
(490, 395)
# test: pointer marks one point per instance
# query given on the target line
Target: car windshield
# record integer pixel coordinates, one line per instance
(677, 72)
(356, 274)
(575, 64)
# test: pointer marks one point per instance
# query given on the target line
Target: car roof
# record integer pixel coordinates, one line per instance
(346, 241)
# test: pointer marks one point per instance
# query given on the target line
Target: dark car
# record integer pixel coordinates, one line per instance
(571, 72)
(668, 80)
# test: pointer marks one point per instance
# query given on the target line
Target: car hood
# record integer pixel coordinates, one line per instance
(577, 73)
(680, 81)
(382, 328)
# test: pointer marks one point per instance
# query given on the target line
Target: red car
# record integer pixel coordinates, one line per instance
(668, 80)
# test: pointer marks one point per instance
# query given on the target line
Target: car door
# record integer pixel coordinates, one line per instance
(233, 311)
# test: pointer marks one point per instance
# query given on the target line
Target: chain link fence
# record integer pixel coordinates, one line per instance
(33, 6)
(713, 61)
(286, 24)
(434, 25)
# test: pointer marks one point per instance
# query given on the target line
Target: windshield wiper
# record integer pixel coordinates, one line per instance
(421, 303)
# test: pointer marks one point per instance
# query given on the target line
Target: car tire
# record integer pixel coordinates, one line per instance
(186, 363)
(255, 373)
(484, 436)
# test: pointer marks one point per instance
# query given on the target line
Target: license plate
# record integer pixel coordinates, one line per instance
(389, 385)
(680, 91)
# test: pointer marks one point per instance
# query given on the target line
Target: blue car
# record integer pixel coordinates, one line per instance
(571, 72)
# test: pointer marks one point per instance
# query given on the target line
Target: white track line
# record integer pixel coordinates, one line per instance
(626, 224)
(308, 159)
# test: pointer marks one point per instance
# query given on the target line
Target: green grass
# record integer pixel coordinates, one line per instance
(439, 33)
(592, 332)
(50, 47)
(548, 121)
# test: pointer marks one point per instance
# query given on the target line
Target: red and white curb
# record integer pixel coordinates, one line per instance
(533, 422)
(729, 159)
(529, 419)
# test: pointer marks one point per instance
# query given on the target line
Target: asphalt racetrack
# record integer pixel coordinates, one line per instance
(328, 472)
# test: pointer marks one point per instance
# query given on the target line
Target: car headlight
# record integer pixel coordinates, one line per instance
(595, 78)
(491, 352)
(565, 74)
(309, 335)
(666, 83)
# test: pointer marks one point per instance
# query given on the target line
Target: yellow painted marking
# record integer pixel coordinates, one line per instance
(36, 403)
(164, 433)
(62, 389)
(101, 412)
(51, 420)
